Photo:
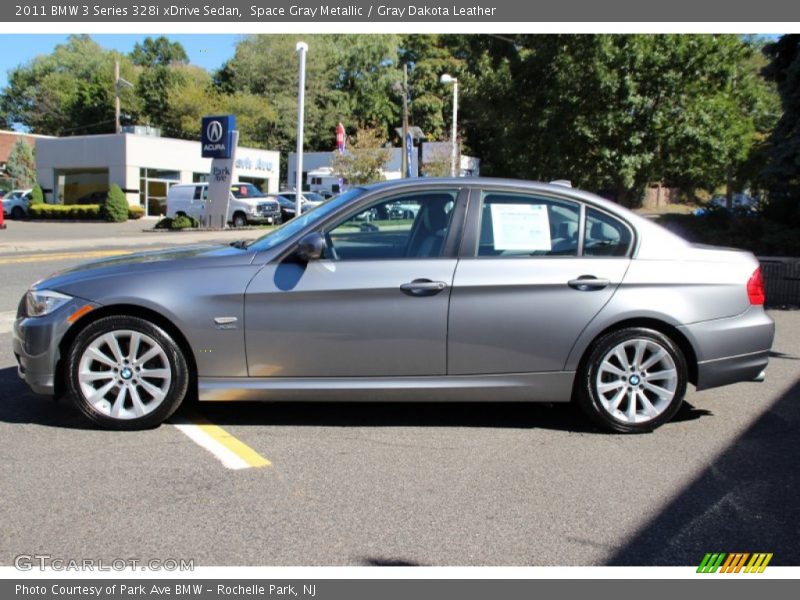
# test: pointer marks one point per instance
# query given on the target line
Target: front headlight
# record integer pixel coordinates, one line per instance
(42, 302)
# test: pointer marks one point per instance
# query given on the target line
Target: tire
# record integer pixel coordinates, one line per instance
(610, 377)
(17, 213)
(239, 220)
(90, 368)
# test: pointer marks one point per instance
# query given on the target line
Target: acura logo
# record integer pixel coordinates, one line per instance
(214, 131)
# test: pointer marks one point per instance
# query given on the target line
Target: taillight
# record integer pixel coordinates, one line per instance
(755, 288)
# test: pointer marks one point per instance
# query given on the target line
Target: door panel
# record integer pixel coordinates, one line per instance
(521, 315)
(347, 318)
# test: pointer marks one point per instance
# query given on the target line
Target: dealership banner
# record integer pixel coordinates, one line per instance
(399, 11)
(389, 589)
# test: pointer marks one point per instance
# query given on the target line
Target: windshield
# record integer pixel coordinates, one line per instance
(287, 230)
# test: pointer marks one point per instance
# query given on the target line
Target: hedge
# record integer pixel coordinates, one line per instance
(135, 211)
(64, 211)
(179, 222)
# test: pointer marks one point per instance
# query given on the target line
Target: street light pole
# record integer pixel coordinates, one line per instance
(446, 78)
(405, 121)
(301, 48)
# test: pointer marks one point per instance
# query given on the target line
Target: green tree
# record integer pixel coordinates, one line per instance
(616, 112)
(70, 91)
(21, 164)
(365, 159)
(158, 59)
(37, 195)
(115, 208)
(782, 174)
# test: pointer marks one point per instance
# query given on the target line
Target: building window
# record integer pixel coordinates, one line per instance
(81, 186)
(154, 185)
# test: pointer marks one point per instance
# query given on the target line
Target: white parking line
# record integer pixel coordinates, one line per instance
(231, 452)
(7, 320)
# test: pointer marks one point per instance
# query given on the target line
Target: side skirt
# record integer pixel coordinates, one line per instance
(507, 387)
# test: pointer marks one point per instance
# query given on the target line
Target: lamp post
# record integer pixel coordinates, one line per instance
(301, 49)
(447, 79)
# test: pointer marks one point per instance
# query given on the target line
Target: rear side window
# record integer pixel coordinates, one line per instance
(515, 225)
(605, 235)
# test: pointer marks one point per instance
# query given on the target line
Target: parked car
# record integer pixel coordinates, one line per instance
(99, 197)
(245, 206)
(16, 203)
(287, 201)
(499, 290)
(743, 204)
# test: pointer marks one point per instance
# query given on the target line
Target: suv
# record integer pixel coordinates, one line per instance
(246, 205)
(16, 202)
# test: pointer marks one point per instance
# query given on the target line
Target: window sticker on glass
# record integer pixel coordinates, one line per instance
(521, 227)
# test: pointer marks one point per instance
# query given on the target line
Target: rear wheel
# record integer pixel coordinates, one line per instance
(126, 373)
(632, 381)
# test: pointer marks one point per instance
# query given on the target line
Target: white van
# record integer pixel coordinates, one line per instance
(247, 204)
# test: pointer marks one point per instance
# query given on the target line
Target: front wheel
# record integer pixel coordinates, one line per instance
(17, 213)
(126, 373)
(239, 220)
(632, 380)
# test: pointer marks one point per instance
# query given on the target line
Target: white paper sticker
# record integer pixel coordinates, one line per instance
(521, 227)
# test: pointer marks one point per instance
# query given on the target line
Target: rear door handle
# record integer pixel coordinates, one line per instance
(423, 287)
(588, 283)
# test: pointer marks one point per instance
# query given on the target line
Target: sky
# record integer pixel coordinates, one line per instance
(204, 50)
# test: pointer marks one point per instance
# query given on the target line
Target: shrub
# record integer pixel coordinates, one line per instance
(115, 209)
(135, 212)
(179, 222)
(64, 211)
(184, 222)
(37, 195)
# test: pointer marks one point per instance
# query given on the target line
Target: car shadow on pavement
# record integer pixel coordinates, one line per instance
(513, 415)
(744, 501)
(19, 405)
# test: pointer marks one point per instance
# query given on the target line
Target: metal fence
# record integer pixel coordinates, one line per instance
(781, 280)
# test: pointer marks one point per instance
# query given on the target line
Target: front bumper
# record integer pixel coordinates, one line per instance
(733, 349)
(268, 218)
(35, 342)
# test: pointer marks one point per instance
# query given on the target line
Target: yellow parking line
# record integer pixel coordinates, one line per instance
(232, 452)
(9, 260)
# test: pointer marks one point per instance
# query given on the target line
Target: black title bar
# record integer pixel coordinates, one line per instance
(398, 11)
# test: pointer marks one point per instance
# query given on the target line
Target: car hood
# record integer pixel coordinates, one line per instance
(191, 257)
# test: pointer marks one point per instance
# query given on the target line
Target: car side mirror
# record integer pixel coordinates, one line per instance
(311, 247)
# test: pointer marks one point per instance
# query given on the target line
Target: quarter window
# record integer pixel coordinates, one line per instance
(605, 235)
(515, 225)
(409, 226)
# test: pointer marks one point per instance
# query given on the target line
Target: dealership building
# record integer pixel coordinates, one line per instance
(141, 162)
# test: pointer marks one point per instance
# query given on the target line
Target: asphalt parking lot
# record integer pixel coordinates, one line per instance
(404, 484)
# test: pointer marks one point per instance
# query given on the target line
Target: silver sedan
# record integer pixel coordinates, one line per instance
(482, 290)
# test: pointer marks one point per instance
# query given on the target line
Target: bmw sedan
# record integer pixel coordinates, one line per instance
(492, 290)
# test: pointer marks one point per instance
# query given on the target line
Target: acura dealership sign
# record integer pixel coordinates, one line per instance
(216, 136)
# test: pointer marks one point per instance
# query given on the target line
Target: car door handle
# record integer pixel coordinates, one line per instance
(423, 287)
(588, 283)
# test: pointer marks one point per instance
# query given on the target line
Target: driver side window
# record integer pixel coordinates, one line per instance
(408, 226)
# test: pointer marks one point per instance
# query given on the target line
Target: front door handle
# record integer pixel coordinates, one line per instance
(588, 283)
(423, 287)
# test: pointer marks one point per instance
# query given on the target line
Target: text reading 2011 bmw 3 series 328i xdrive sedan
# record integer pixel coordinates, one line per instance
(438, 290)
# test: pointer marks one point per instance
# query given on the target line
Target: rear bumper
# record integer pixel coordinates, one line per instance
(733, 349)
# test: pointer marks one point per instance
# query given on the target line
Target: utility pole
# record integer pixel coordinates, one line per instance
(119, 83)
(116, 96)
